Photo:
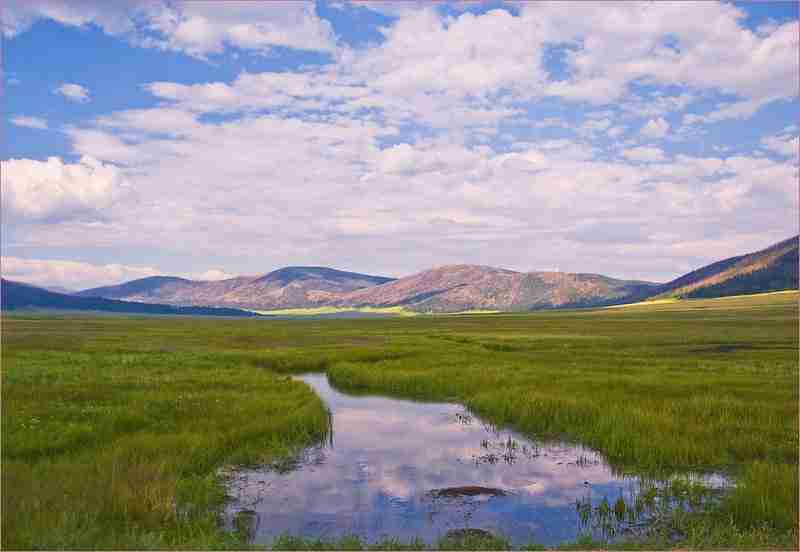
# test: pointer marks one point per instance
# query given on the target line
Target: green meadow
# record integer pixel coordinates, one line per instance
(321, 311)
(115, 430)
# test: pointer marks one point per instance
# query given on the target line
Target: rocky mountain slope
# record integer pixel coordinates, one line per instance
(290, 287)
(16, 296)
(771, 269)
(468, 287)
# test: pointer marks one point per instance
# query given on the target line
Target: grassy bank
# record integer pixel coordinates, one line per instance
(114, 428)
(119, 448)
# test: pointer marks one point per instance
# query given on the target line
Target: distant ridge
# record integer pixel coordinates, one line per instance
(289, 287)
(772, 269)
(142, 286)
(455, 288)
(17, 296)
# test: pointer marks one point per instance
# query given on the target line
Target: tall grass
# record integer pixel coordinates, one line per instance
(114, 429)
(121, 450)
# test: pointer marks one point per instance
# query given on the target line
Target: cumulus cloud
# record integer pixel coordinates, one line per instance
(202, 28)
(615, 45)
(195, 28)
(77, 275)
(470, 54)
(55, 191)
(29, 122)
(73, 92)
(70, 274)
(655, 128)
(212, 274)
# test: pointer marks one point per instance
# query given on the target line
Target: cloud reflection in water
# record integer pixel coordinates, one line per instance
(387, 457)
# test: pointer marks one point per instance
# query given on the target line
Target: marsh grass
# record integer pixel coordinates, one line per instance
(465, 541)
(114, 429)
(119, 450)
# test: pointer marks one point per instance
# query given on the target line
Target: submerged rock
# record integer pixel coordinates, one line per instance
(466, 490)
(468, 533)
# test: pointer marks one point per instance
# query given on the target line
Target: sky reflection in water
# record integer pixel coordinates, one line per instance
(386, 455)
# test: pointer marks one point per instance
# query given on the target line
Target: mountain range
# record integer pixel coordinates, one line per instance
(450, 288)
(290, 287)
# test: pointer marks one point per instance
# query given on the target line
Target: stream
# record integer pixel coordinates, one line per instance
(406, 469)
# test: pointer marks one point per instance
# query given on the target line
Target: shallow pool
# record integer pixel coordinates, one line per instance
(405, 469)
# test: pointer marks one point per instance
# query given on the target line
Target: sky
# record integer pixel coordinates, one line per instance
(205, 139)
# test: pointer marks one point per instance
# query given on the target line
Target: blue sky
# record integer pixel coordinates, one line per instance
(639, 140)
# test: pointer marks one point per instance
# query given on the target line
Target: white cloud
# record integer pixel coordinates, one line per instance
(195, 28)
(254, 91)
(73, 92)
(615, 45)
(734, 110)
(616, 131)
(408, 160)
(113, 18)
(70, 274)
(174, 122)
(211, 274)
(29, 122)
(202, 28)
(657, 104)
(594, 126)
(53, 190)
(77, 275)
(655, 128)
(468, 54)
(785, 145)
(643, 153)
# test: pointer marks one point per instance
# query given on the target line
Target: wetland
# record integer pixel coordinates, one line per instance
(404, 469)
(130, 432)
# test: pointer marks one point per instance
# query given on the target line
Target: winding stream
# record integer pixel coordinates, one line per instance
(397, 468)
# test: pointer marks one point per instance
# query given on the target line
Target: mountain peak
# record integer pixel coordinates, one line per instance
(289, 274)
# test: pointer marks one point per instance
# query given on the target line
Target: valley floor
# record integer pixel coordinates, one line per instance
(115, 428)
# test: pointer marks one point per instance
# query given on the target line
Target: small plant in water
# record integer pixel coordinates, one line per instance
(645, 512)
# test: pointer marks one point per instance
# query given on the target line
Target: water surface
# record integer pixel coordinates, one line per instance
(397, 468)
